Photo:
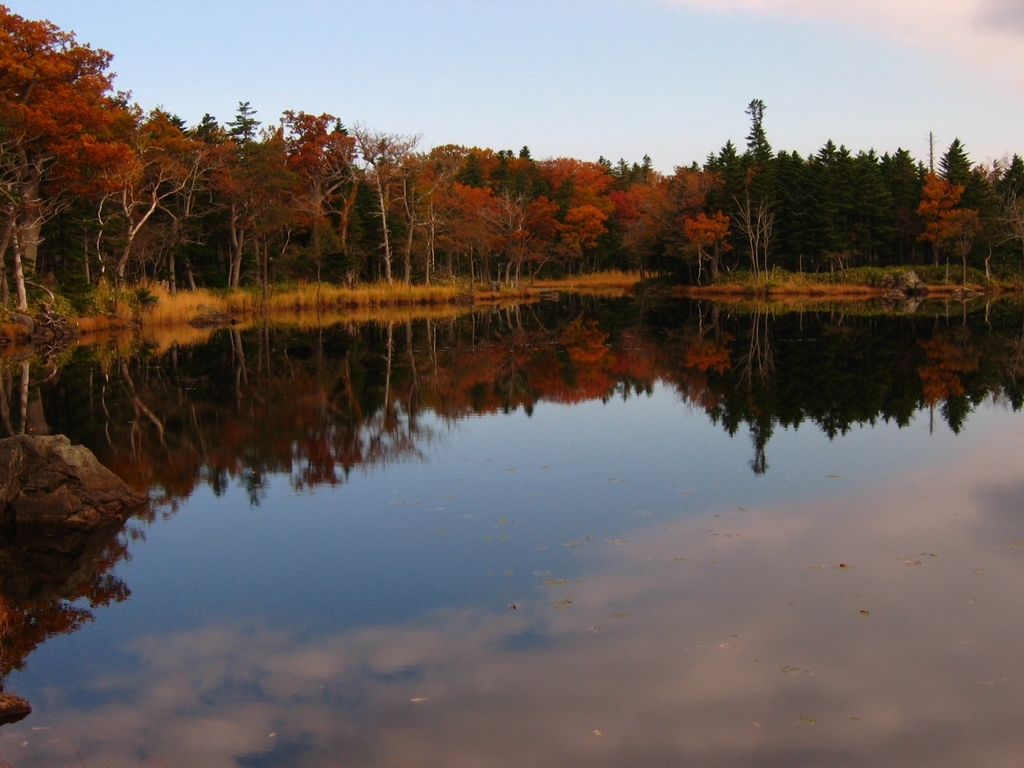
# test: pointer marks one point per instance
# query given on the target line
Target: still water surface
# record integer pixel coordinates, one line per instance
(597, 533)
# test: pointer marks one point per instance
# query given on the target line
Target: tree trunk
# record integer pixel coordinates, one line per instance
(384, 226)
(19, 275)
(237, 246)
(30, 222)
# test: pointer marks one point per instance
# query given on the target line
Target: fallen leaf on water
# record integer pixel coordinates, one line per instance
(808, 720)
(553, 582)
(913, 562)
(758, 725)
(616, 541)
(864, 613)
(503, 536)
(508, 573)
(418, 700)
(981, 571)
(789, 670)
(619, 615)
(832, 477)
(597, 628)
(503, 521)
(597, 732)
(679, 559)
(562, 604)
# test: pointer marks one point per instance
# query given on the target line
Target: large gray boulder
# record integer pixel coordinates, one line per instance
(46, 481)
(904, 283)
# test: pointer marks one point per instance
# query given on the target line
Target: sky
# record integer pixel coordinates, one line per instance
(583, 78)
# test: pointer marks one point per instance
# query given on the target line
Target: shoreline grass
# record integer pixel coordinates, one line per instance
(850, 284)
(242, 304)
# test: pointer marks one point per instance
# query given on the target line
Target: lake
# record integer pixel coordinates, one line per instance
(581, 532)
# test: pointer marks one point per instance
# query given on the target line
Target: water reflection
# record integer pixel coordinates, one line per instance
(318, 405)
(875, 628)
(870, 623)
(51, 582)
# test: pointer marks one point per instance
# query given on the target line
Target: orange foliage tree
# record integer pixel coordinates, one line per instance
(947, 227)
(55, 109)
(709, 232)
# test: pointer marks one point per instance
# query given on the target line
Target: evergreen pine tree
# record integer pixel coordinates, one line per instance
(243, 127)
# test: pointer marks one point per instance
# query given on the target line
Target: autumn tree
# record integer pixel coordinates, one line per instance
(164, 162)
(323, 155)
(709, 235)
(948, 228)
(383, 156)
(642, 211)
(467, 233)
(55, 108)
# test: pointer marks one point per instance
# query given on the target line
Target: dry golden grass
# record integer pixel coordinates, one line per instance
(180, 308)
(613, 283)
(309, 304)
(310, 296)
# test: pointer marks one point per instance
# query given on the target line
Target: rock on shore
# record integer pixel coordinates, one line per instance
(46, 481)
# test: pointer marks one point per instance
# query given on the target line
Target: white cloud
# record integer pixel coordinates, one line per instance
(986, 33)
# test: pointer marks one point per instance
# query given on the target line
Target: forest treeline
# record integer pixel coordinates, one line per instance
(97, 192)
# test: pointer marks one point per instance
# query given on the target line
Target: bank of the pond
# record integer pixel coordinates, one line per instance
(848, 284)
(162, 308)
(154, 306)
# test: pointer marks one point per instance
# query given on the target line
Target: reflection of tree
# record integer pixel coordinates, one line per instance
(50, 584)
(946, 360)
(758, 361)
(317, 405)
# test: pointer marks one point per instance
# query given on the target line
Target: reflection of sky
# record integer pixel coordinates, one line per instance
(318, 617)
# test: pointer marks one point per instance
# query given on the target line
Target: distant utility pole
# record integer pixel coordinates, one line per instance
(931, 152)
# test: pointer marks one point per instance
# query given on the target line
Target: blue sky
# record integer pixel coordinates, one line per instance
(668, 78)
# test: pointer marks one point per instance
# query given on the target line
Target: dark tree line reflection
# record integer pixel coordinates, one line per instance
(317, 405)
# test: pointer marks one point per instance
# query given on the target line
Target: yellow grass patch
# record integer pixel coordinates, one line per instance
(308, 303)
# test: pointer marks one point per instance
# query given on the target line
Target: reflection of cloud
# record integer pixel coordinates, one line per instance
(771, 631)
(988, 32)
